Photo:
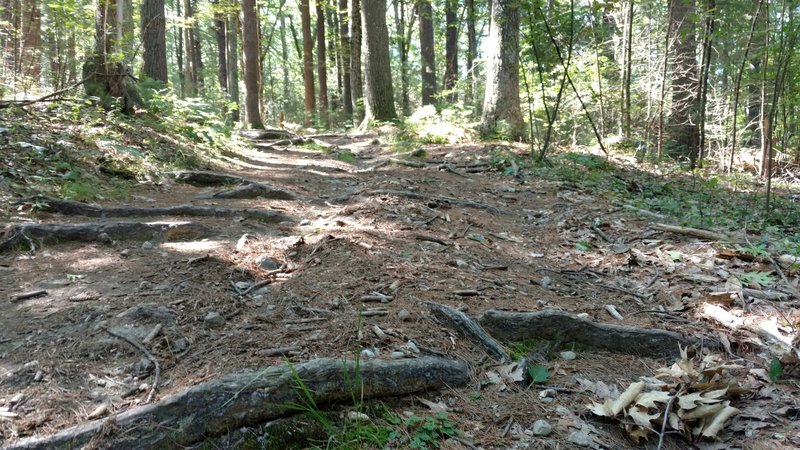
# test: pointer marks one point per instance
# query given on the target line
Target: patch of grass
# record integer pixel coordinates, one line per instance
(346, 156)
(315, 147)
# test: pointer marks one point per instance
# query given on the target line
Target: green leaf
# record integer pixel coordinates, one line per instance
(775, 370)
(583, 246)
(539, 373)
(757, 278)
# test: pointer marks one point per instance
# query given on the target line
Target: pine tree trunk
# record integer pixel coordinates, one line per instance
(232, 62)
(252, 65)
(402, 50)
(705, 67)
(287, 103)
(427, 54)
(334, 56)
(472, 53)
(356, 80)
(501, 100)
(344, 45)
(308, 63)
(197, 55)
(379, 98)
(219, 34)
(154, 40)
(31, 34)
(322, 70)
(190, 81)
(451, 50)
(178, 33)
(685, 78)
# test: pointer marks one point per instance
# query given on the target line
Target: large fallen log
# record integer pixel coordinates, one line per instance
(269, 134)
(21, 235)
(255, 190)
(70, 207)
(565, 327)
(215, 407)
(205, 178)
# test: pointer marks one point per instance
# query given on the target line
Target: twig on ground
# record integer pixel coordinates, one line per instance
(255, 286)
(148, 355)
(26, 295)
(602, 234)
(664, 423)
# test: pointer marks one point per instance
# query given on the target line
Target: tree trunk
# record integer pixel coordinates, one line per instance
(625, 106)
(402, 50)
(738, 83)
(154, 34)
(178, 33)
(232, 62)
(219, 34)
(451, 50)
(379, 97)
(472, 53)
(344, 45)
(705, 67)
(197, 54)
(501, 100)
(287, 101)
(322, 70)
(308, 63)
(355, 59)
(428, 62)
(106, 76)
(31, 35)
(252, 66)
(190, 71)
(334, 55)
(685, 79)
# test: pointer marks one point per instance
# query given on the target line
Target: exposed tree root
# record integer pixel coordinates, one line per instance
(70, 207)
(558, 325)
(270, 134)
(246, 188)
(103, 232)
(459, 321)
(238, 399)
(436, 198)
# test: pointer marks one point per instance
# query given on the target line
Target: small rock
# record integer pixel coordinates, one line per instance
(143, 368)
(267, 263)
(355, 415)
(214, 320)
(180, 345)
(398, 355)
(242, 285)
(583, 316)
(568, 355)
(125, 253)
(147, 245)
(412, 346)
(375, 141)
(260, 293)
(460, 263)
(143, 387)
(305, 222)
(39, 376)
(418, 152)
(16, 399)
(546, 281)
(367, 353)
(104, 237)
(541, 428)
(547, 393)
(404, 315)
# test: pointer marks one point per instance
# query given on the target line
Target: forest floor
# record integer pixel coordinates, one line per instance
(348, 274)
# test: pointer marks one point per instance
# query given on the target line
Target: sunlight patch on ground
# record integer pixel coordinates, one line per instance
(194, 246)
(91, 264)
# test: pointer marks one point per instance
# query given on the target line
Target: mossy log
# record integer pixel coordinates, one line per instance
(564, 327)
(239, 399)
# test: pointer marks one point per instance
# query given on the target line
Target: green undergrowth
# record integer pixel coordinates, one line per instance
(79, 151)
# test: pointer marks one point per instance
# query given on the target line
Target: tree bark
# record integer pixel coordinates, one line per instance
(501, 100)
(154, 35)
(219, 34)
(31, 35)
(190, 71)
(344, 45)
(178, 33)
(379, 98)
(625, 104)
(472, 52)
(309, 104)
(402, 50)
(451, 50)
(232, 63)
(355, 59)
(322, 69)
(705, 67)
(427, 54)
(252, 66)
(685, 79)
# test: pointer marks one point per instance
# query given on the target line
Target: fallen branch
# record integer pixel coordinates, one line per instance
(148, 355)
(696, 232)
(103, 232)
(48, 97)
(469, 328)
(205, 178)
(558, 325)
(70, 207)
(407, 163)
(26, 295)
(243, 398)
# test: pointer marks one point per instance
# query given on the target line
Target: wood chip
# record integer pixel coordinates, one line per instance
(26, 295)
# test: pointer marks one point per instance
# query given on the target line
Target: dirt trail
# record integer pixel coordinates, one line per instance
(358, 232)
